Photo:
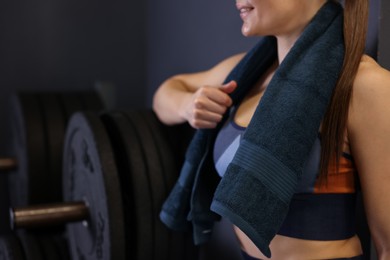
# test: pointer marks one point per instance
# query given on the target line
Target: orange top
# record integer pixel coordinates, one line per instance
(342, 181)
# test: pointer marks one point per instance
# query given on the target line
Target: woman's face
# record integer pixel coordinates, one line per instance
(276, 17)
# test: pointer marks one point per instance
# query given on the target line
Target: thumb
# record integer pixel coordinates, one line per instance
(229, 87)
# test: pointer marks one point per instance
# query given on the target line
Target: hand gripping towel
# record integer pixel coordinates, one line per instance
(256, 190)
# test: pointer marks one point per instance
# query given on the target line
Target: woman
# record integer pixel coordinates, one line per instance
(353, 132)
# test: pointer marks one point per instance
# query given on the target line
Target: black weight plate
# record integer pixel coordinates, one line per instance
(48, 247)
(54, 126)
(182, 242)
(179, 137)
(90, 175)
(170, 164)
(62, 247)
(10, 248)
(136, 186)
(120, 153)
(28, 147)
(157, 180)
(170, 167)
(31, 246)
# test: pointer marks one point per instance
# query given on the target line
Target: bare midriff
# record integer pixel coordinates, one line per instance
(288, 248)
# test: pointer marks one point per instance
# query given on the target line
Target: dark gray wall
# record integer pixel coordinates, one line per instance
(373, 27)
(384, 35)
(187, 36)
(57, 44)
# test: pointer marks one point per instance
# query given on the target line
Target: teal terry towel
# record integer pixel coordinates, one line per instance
(256, 190)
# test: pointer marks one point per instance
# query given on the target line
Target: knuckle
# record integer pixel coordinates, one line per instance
(223, 110)
(198, 103)
(196, 114)
(195, 124)
(205, 91)
(202, 91)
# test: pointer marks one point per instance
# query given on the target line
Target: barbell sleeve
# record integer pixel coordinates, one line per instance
(48, 215)
(8, 164)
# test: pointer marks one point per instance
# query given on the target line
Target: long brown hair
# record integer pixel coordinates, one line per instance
(335, 120)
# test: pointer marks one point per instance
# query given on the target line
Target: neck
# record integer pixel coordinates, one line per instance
(284, 45)
(286, 41)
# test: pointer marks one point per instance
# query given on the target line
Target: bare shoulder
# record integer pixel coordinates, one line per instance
(213, 76)
(232, 60)
(370, 96)
(226, 65)
(371, 79)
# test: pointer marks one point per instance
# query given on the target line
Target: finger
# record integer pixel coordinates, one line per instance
(200, 124)
(214, 95)
(226, 89)
(210, 105)
(209, 116)
(229, 87)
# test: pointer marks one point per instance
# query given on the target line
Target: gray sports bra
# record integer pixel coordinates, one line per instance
(228, 141)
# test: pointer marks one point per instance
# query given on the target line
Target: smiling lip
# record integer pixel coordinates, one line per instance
(244, 9)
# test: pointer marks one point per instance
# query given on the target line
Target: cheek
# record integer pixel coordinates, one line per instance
(260, 24)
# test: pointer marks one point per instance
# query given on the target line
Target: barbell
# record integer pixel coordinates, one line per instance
(118, 167)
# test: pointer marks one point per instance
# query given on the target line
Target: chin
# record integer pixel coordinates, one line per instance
(246, 33)
(253, 33)
(249, 33)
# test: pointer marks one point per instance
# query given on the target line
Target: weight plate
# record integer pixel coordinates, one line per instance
(31, 247)
(122, 162)
(170, 164)
(90, 175)
(182, 246)
(179, 137)
(62, 246)
(170, 167)
(48, 248)
(10, 248)
(54, 129)
(28, 147)
(157, 180)
(135, 186)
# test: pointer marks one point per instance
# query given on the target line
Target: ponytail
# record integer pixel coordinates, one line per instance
(335, 120)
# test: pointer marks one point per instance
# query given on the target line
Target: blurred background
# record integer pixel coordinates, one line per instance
(124, 49)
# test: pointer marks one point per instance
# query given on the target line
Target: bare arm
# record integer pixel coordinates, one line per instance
(198, 98)
(369, 131)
